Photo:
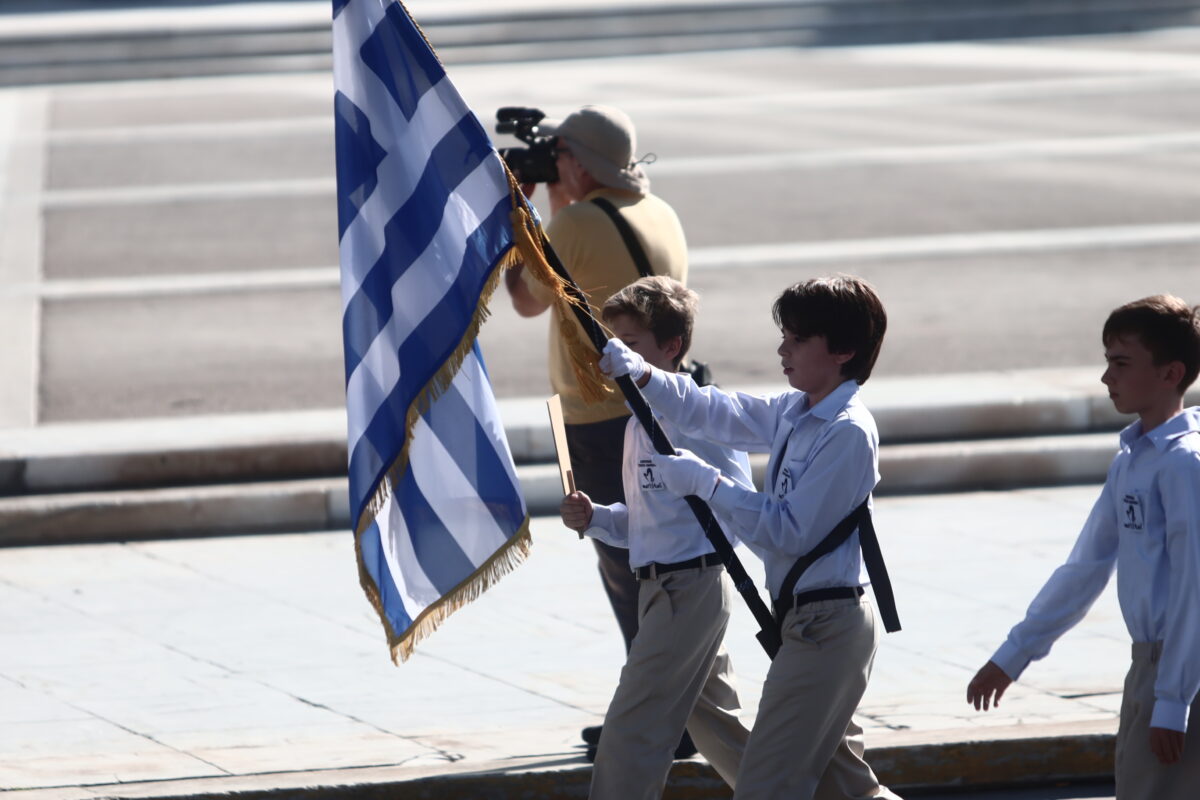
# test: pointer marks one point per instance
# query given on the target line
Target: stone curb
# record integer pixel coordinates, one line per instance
(263, 473)
(178, 42)
(193, 511)
(984, 757)
(300, 444)
(323, 504)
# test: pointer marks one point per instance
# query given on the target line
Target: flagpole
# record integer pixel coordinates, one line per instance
(768, 634)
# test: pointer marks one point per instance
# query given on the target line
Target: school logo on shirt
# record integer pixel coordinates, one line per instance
(648, 478)
(786, 481)
(1134, 516)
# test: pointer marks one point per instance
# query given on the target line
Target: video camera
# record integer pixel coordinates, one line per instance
(533, 164)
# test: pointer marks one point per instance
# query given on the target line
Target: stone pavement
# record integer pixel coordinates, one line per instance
(255, 663)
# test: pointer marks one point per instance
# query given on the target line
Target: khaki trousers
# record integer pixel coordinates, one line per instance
(1139, 772)
(677, 674)
(805, 743)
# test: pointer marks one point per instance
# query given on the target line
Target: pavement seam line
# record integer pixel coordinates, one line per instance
(1078, 147)
(230, 671)
(504, 682)
(157, 558)
(702, 258)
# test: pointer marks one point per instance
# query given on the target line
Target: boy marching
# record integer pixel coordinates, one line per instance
(1146, 524)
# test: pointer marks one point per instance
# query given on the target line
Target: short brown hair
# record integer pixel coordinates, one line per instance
(842, 308)
(662, 305)
(1166, 326)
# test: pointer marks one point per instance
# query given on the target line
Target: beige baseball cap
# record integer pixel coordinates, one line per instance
(603, 139)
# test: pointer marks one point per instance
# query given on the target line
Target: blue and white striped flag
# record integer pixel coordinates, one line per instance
(424, 205)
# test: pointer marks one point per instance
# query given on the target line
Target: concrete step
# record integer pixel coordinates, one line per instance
(261, 473)
(246, 38)
(323, 504)
(137, 454)
(135, 514)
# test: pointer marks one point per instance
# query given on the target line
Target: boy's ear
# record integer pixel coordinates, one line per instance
(1172, 373)
(672, 347)
(842, 358)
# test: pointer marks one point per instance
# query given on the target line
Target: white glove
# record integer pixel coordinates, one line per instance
(685, 474)
(619, 360)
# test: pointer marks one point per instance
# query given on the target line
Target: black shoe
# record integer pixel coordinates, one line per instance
(686, 748)
(591, 734)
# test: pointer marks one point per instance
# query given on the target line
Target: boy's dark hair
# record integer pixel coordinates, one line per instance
(1166, 326)
(662, 305)
(845, 310)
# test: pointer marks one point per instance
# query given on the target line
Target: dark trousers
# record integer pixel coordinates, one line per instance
(596, 450)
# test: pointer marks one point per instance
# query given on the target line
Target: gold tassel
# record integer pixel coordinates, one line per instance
(593, 387)
(585, 362)
(528, 238)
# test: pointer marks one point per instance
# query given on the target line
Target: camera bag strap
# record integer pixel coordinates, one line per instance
(630, 238)
(859, 519)
(699, 370)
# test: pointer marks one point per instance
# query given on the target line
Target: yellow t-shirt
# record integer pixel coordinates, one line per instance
(591, 248)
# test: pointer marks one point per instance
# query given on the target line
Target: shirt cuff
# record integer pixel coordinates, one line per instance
(601, 523)
(660, 382)
(726, 497)
(1169, 714)
(1010, 659)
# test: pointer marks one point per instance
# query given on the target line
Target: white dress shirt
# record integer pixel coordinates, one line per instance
(1146, 522)
(824, 463)
(655, 525)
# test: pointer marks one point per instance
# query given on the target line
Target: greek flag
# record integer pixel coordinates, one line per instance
(424, 219)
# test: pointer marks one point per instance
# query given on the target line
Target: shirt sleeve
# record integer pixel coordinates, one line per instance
(836, 478)
(1069, 593)
(1178, 678)
(740, 421)
(610, 524)
(734, 467)
(564, 236)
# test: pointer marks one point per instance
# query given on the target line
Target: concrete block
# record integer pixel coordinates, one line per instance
(192, 511)
(995, 464)
(542, 487)
(1080, 751)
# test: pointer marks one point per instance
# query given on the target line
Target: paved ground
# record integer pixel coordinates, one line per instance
(228, 659)
(169, 246)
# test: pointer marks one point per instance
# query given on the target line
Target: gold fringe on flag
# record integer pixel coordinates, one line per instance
(499, 564)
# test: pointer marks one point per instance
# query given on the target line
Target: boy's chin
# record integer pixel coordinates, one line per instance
(1121, 406)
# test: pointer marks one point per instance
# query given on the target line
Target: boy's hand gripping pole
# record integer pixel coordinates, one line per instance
(768, 634)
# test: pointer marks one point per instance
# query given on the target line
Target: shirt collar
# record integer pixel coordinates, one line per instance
(1179, 425)
(833, 403)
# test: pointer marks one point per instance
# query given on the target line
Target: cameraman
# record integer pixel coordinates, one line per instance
(595, 158)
